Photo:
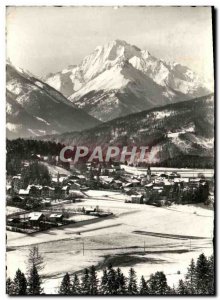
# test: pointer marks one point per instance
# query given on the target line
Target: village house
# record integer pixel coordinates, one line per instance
(127, 185)
(16, 183)
(139, 199)
(58, 218)
(74, 185)
(65, 191)
(17, 199)
(8, 189)
(23, 192)
(116, 184)
(36, 217)
(59, 178)
(34, 190)
(36, 157)
(89, 211)
(144, 180)
(106, 179)
(173, 175)
(135, 182)
(76, 194)
(47, 191)
(13, 221)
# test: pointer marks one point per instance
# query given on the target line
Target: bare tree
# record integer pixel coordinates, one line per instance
(35, 259)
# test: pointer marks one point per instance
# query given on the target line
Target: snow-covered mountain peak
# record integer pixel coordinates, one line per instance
(145, 54)
(137, 77)
(35, 108)
(105, 57)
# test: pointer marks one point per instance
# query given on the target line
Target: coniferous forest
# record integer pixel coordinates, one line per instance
(198, 280)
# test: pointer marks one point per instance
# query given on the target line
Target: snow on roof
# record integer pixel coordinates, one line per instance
(157, 187)
(35, 186)
(23, 192)
(178, 180)
(45, 201)
(76, 183)
(61, 179)
(81, 176)
(136, 196)
(16, 177)
(77, 192)
(166, 182)
(56, 215)
(149, 184)
(118, 181)
(64, 188)
(106, 178)
(203, 183)
(48, 187)
(34, 216)
(135, 181)
(195, 179)
(127, 184)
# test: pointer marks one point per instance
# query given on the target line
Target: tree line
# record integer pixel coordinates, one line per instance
(199, 280)
(21, 149)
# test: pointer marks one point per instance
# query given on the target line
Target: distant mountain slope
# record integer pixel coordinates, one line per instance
(118, 79)
(181, 132)
(34, 108)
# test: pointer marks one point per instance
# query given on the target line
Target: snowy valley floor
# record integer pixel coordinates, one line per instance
(147, 238)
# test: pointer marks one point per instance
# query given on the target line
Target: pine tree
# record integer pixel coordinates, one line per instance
(85, 287)
(190, 278)
(158, 284)
(132, 283)
(211, 285)
(93, 281)
(34, 282)
(112, 284)
(104, 283)
(171, 291)
(65, 286)
(9, 286)
(121, 281)
(202, 275)
(143, 287)
(182, 288)
(76, 288)
(19, 284)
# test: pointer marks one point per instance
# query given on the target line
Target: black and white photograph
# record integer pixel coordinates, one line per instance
(110, 150)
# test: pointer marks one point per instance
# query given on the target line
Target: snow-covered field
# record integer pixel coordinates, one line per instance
(172, 236)
(54, 170)
(12, 210)
(184, 172)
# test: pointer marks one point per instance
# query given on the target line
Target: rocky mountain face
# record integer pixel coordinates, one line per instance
(34, 108)
(118, 79)
(180, 134)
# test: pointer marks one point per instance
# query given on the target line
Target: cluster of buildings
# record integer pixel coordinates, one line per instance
(35, 221)
(61, 187)
(165, 188)
(145, 188)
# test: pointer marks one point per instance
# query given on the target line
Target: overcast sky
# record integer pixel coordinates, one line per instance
(47, 39)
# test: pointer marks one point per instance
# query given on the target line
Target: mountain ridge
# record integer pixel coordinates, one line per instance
(181, 131)
(35, 108)
(118, 70)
